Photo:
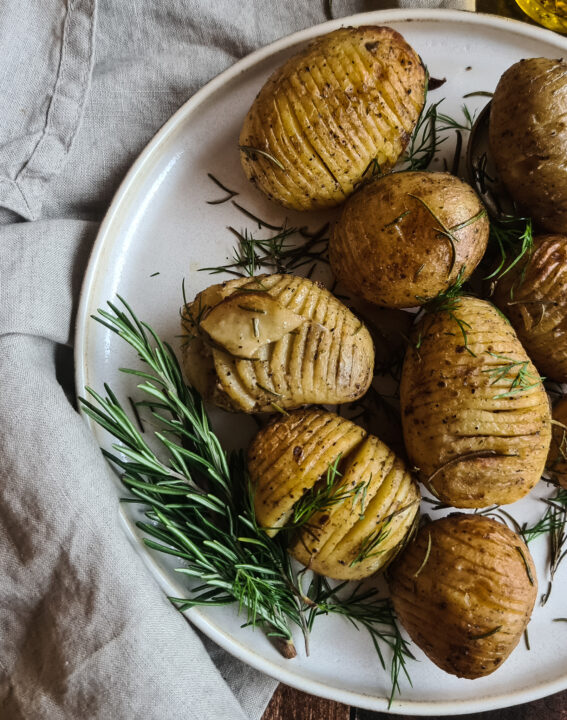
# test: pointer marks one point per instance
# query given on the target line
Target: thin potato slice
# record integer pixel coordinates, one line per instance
(475, 415)
(243, 325)
(464, 590)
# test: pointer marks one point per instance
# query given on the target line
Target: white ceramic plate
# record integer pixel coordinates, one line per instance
(159, 222)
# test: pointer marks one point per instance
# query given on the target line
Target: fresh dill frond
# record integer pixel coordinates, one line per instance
(448, 302)
(363, 607)
(431, 131)
(425, 140)
(449, 123)
(512, 239)
(320, 497)
(370, 545)
(552, 524)
(515, 373)
(287, 250)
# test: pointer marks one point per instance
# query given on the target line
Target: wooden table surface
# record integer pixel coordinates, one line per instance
(290, 704)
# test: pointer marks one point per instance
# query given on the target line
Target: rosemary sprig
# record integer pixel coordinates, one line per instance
(514, 372)
(199, 507)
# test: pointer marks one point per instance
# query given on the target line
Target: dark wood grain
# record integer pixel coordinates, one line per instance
(553, 707)
(290, 704)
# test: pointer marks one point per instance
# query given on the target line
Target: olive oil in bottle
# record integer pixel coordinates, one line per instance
(551, 14)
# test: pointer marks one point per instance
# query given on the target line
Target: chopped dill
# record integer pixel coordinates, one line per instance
(449, 301)
(514, 372)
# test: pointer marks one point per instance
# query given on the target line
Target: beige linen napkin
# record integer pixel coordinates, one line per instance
(85, 632)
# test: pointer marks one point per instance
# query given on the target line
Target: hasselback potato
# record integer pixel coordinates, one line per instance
(274, 342)
(475, 415)
(347, 103)
(370, 504)
(464, 590)
(528, 138)
(407, 236)
(533, 295)
(557, 458)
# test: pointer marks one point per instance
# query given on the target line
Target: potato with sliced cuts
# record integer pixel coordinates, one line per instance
(533, 295)
(475, 415)
(345, 499)
(557, 459)
(347, 103)
(464, 589)
(528, 138)
(275, 341)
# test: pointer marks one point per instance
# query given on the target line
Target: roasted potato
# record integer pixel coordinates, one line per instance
(528, 138)
(557, 458)
(274, 342)
(345, 105)
(475, 414)
(533, 295)
(405, 237)
(464, 590)
(347, 502)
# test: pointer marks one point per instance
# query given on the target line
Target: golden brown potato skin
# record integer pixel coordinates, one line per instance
(353, 537)
(557, 458)
(476, 438)
(528, 138)
(389, 245)
(328, 359)
(464, 590)
(350, 98)
(533, 295)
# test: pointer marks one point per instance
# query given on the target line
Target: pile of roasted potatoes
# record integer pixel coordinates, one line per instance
(476, 418)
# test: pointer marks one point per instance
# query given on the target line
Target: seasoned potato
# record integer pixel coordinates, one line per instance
(405, 237)
(533, 295)
(464, 590)
(528, 138)
(347, 103)
(370, 499)
(557, 458)
(275, 341)
(475, 415)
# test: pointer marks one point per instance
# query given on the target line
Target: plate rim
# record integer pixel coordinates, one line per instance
(103, 238)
